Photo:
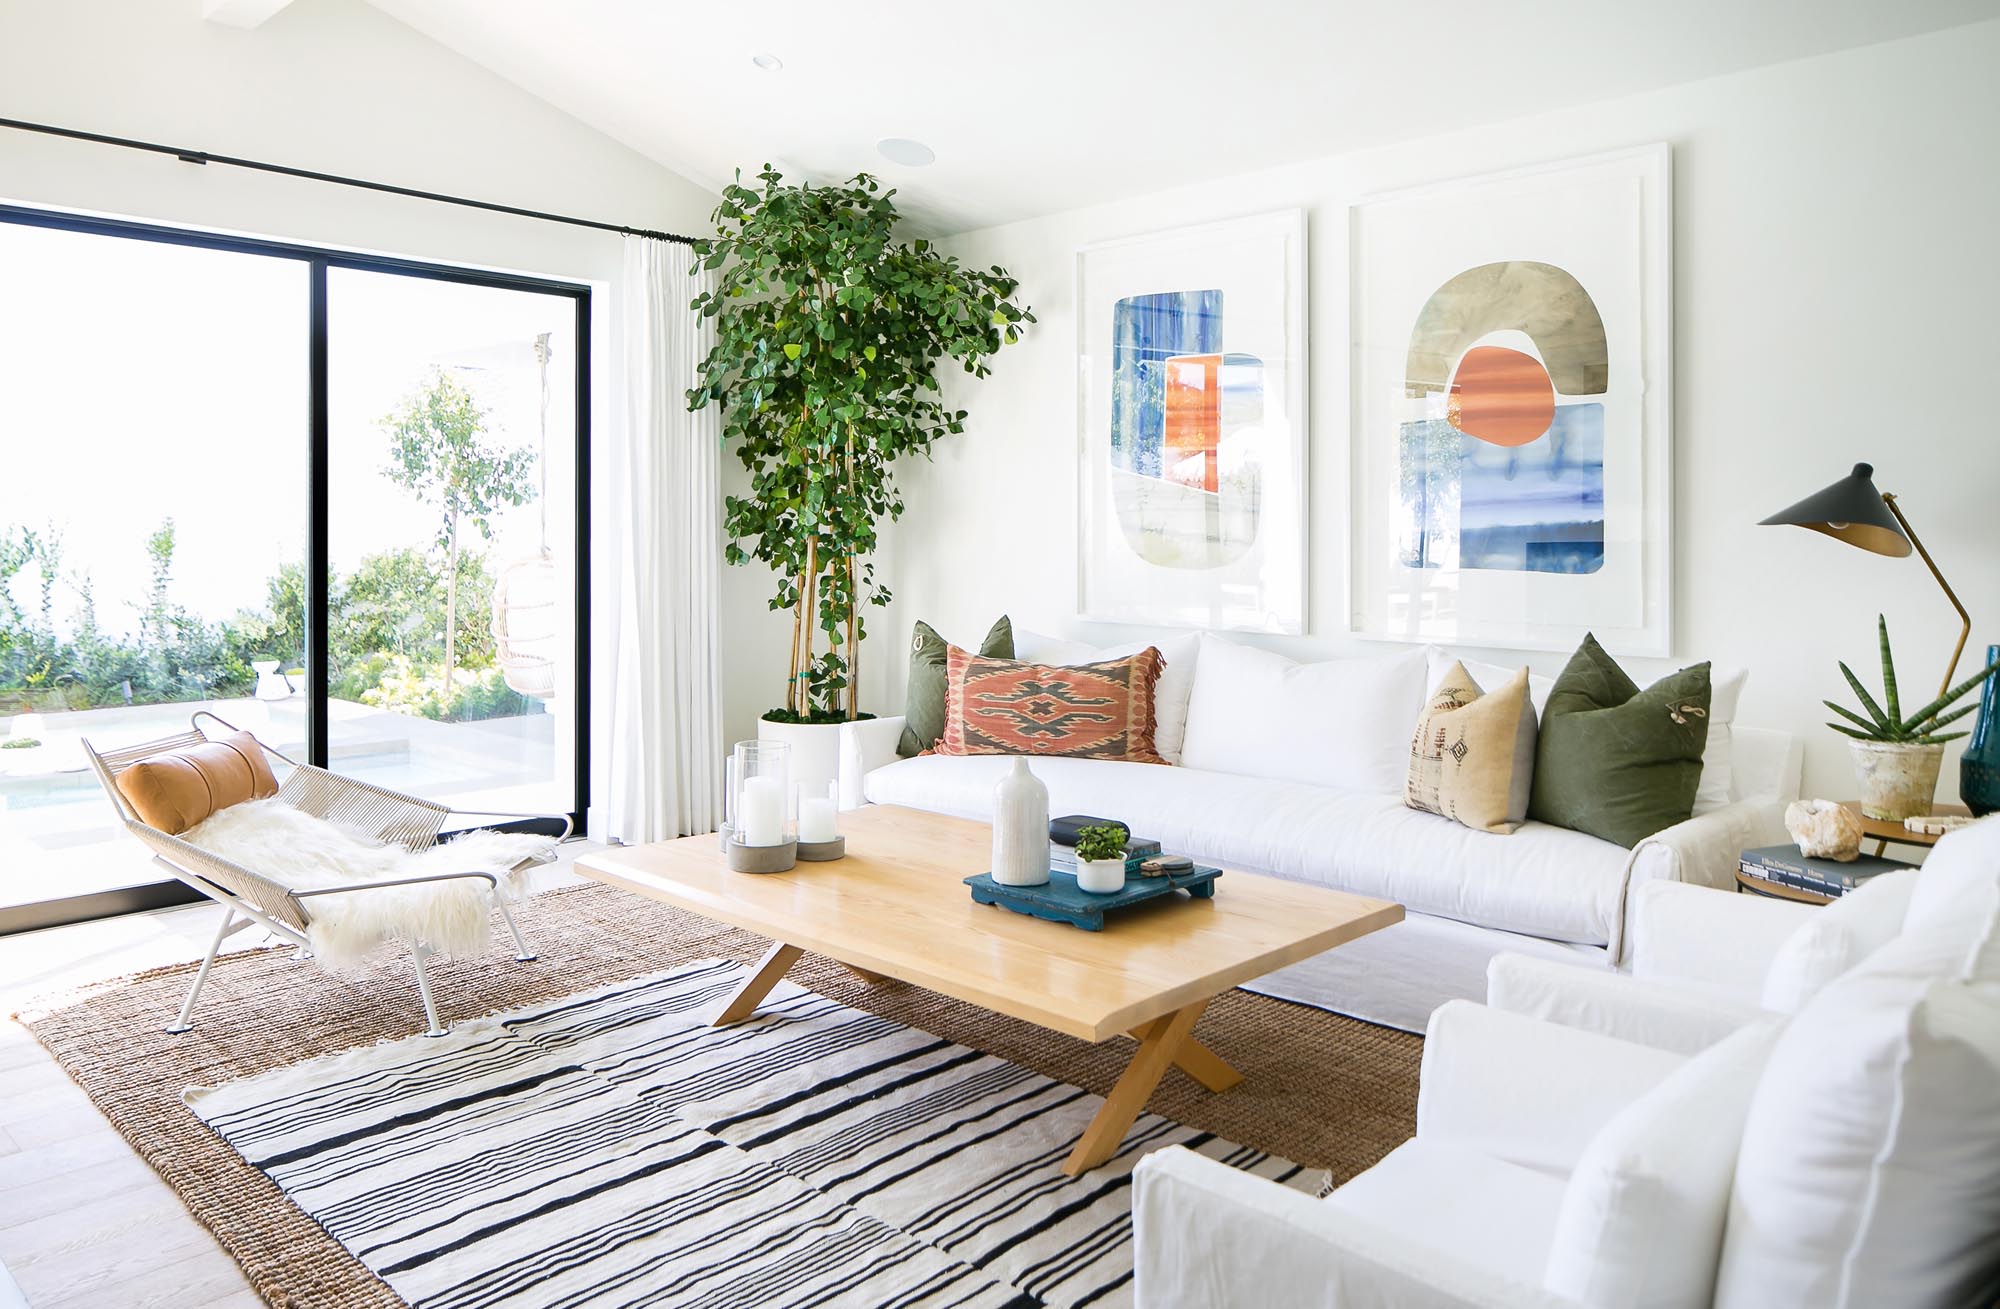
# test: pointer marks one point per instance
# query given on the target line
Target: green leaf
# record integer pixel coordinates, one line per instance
(1892, 707)
(1882, 723)
(793, 350)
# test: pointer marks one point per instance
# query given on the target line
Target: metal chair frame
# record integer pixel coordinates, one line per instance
(249, 897)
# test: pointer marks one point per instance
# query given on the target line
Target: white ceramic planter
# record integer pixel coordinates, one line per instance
(1897, 781)
(1101, 876)
(815, 751)
(1020, 828)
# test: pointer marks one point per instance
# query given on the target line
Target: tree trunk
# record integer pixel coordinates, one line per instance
(809, 597)
(451, 608)
(853, 650)
(798, 626)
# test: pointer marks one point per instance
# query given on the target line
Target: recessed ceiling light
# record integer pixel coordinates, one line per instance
(767, 61)
(902, 150)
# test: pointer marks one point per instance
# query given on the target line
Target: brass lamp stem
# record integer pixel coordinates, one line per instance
(1911, 532)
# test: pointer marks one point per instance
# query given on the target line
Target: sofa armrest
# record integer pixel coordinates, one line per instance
(1706, 850)
(865, 745)
(1721, 940)
(1529, 1092)
(1208, 1236)
(1684, 1020)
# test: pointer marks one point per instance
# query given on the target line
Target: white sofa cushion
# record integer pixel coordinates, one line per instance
(1870, 1167)
(1343, 724)
(1960, 881)
(1836, 938)
(1170, 692)
(1492, 1214)
(1541, 881)
(1642, 1217)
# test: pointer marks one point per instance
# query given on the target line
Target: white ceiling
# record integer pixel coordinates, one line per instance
(1034, 106)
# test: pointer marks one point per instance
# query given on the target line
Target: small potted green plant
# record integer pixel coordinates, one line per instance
(1897, 756)
(1100, 859)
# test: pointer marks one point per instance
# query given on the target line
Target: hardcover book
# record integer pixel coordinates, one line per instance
(1784, 865)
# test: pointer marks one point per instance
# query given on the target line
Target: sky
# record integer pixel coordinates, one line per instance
(141, 380)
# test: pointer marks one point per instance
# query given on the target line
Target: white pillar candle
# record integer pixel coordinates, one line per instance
(762, 820)
(816, 821)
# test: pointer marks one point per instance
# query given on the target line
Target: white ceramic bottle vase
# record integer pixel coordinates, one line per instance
(1020, 828)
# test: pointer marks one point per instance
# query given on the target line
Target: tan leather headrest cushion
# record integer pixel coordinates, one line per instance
(176, 790)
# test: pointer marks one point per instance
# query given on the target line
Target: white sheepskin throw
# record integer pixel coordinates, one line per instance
(306, 853)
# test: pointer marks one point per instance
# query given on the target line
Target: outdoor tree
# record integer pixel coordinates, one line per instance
(828, 333)
(439, 451)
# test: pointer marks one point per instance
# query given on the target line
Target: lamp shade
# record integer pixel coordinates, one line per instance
(1851, 510)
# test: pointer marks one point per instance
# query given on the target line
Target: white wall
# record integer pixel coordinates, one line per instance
(336, 86)
(1836, 278)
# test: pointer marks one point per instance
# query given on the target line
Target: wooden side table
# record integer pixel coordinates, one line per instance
(1886, 833)
(1883, 832)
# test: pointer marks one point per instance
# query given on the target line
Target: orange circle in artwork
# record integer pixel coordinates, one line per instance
(1501, 396)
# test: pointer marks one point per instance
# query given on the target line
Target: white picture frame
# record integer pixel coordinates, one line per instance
(1488, 269)
(1189, 535)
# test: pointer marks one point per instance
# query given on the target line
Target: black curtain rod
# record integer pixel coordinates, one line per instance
(203, 157)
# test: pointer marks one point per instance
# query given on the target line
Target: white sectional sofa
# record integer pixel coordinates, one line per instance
(1469, 895)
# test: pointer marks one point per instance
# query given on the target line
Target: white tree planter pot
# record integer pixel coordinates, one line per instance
(815, 752)
(1896, 780)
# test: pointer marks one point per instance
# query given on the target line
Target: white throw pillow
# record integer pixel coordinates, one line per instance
(1870, 1168)
(1717, 788)
(1836, 938)
(1344, 724)
(1488, 676)
(1170, 693)
(1642, 1217)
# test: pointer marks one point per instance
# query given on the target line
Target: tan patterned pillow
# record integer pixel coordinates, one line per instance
(1472, 758)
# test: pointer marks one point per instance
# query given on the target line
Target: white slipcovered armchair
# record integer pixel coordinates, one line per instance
(1705, 962)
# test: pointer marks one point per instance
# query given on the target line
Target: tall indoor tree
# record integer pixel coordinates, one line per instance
(829, 331)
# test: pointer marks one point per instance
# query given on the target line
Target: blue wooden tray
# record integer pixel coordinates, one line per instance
(1060, 900)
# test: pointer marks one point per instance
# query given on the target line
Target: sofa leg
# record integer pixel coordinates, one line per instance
(419, 953)
(185, 1021)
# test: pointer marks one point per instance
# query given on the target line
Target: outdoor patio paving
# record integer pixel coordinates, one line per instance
(59, 834)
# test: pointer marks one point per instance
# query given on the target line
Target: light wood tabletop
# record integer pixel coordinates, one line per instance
(897, 907)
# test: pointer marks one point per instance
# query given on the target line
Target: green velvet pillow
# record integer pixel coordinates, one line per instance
(1613, 760)
(923, 705)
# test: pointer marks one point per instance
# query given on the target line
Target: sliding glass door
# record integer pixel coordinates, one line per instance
(452, 568)
(331, 498)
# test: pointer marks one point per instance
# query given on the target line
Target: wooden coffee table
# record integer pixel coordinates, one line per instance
(896, 907)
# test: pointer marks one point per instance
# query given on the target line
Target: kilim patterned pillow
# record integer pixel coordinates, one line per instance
(1089, 711)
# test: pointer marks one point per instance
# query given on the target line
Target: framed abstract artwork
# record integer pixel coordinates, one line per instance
(1511, 383)
(1191, 412)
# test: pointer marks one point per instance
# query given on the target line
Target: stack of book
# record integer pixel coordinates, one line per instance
(1783, 865)
(1062, 842)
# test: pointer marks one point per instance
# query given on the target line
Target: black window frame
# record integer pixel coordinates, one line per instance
(318, 260)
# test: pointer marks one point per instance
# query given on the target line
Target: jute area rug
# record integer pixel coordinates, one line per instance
(1324, 1090)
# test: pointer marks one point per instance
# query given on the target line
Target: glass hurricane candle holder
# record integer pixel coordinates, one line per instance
(761, 835)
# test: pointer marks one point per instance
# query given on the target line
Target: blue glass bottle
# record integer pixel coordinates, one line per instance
(1979, 766)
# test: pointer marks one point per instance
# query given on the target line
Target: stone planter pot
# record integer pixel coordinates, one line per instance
(1897, 780)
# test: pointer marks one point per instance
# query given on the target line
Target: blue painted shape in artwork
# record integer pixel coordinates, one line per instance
(1146, 331)
(1534, 508)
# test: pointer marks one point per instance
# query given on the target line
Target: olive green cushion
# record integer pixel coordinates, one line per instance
(923, 704)
(1613, 760)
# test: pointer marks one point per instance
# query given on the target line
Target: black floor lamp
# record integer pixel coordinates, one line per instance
(1852, 510)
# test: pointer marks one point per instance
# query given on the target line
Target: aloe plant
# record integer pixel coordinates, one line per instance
(1886, 721)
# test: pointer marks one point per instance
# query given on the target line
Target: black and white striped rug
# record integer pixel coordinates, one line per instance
(611, 1149)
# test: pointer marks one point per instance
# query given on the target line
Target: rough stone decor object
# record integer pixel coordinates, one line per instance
(1823, 829)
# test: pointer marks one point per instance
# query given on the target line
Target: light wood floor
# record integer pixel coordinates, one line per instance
(84, 1223)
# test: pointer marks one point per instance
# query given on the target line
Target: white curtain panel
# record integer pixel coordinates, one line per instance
(666, 736)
